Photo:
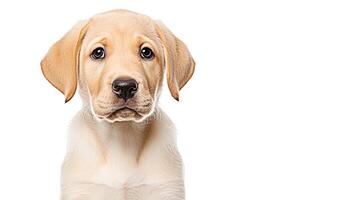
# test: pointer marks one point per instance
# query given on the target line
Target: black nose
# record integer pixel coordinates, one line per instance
(124, 89)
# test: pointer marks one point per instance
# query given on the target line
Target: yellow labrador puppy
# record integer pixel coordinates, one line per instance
(122, 146)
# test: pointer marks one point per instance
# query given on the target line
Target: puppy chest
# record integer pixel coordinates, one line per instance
(118, 173)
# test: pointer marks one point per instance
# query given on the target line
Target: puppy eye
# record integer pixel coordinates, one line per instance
(146, 53)
(98, 53)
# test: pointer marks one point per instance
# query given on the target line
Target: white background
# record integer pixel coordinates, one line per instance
(274, 110)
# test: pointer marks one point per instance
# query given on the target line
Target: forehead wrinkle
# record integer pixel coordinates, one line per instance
(97, 40)
(143, 39)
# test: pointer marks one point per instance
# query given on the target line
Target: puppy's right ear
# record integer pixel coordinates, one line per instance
(60, 65)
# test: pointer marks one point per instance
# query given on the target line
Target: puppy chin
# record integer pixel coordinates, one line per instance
(123, 115)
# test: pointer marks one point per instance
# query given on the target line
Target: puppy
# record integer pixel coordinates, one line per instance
(121, 145)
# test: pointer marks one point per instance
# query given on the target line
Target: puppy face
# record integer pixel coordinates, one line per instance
(118, 60)
(121, 67)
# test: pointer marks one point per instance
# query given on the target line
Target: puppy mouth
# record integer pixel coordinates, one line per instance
(124, 109)
(127, 113)
(123, 114)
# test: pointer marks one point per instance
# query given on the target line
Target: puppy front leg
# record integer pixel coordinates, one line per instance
(173, 190)
(89, 191)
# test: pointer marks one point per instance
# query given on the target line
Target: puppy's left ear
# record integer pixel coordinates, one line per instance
(177, 58)
(60, 65)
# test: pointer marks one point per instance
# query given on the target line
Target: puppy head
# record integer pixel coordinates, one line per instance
(118, 60)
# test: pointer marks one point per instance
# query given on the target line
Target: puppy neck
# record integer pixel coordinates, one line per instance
(127, 136)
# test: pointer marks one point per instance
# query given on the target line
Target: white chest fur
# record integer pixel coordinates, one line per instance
(121, 159)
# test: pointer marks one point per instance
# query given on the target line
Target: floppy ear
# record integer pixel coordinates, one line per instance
(60, 65)
(178, 60)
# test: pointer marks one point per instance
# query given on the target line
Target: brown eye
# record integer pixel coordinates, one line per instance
(146, 53)
(98, 53)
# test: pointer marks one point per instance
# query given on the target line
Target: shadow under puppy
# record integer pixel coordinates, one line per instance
(121, 145)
